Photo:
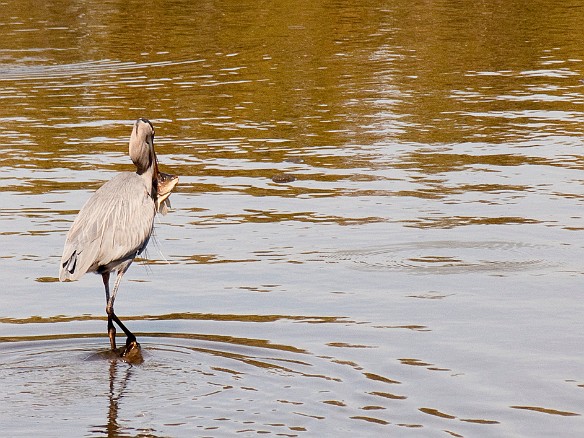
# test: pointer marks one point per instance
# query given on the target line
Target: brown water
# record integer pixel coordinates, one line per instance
(415, 271)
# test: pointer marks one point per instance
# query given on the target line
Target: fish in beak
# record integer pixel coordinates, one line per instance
(166, 184)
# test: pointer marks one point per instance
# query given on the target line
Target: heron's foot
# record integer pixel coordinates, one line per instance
(132, 352)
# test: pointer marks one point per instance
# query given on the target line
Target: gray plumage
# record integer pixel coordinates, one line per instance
(115, 224)
(111, 229)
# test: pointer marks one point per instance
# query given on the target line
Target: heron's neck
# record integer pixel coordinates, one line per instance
(149, 177)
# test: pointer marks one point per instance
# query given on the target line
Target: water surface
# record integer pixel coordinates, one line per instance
(376, 231)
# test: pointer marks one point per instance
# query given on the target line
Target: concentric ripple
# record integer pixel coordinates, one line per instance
(447, 257)
(198, 385)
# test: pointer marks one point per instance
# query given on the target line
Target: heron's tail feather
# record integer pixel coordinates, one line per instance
(68, 267)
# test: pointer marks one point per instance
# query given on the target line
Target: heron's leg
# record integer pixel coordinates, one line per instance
(110, 308)
(111, 330)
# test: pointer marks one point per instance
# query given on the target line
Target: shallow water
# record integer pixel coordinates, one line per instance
(376, 229)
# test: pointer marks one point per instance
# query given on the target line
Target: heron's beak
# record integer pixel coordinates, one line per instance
(153, 154)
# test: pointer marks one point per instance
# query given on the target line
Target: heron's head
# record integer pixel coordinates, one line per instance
(142, 145)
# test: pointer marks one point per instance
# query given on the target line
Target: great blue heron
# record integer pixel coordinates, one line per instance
(115, 224)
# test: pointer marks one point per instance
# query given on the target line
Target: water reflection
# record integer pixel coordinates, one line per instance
(216, 383)
(223, 379)
(117, 388)
(212, 375)
(376, 231)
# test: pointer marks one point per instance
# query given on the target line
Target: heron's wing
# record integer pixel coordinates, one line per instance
(113, 226)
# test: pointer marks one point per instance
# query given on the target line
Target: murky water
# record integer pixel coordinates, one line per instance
(377, 229)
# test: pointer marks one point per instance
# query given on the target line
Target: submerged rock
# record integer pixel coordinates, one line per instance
(282, 178)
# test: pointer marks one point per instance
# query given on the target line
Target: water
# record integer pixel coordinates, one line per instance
(376, 229)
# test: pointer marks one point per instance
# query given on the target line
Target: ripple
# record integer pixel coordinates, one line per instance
(194, 384)
(103, 67)
(446, 257)
(187, 384)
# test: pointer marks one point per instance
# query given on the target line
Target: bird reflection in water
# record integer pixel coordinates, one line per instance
(121, 370)
(119, 376)
(114, 395)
